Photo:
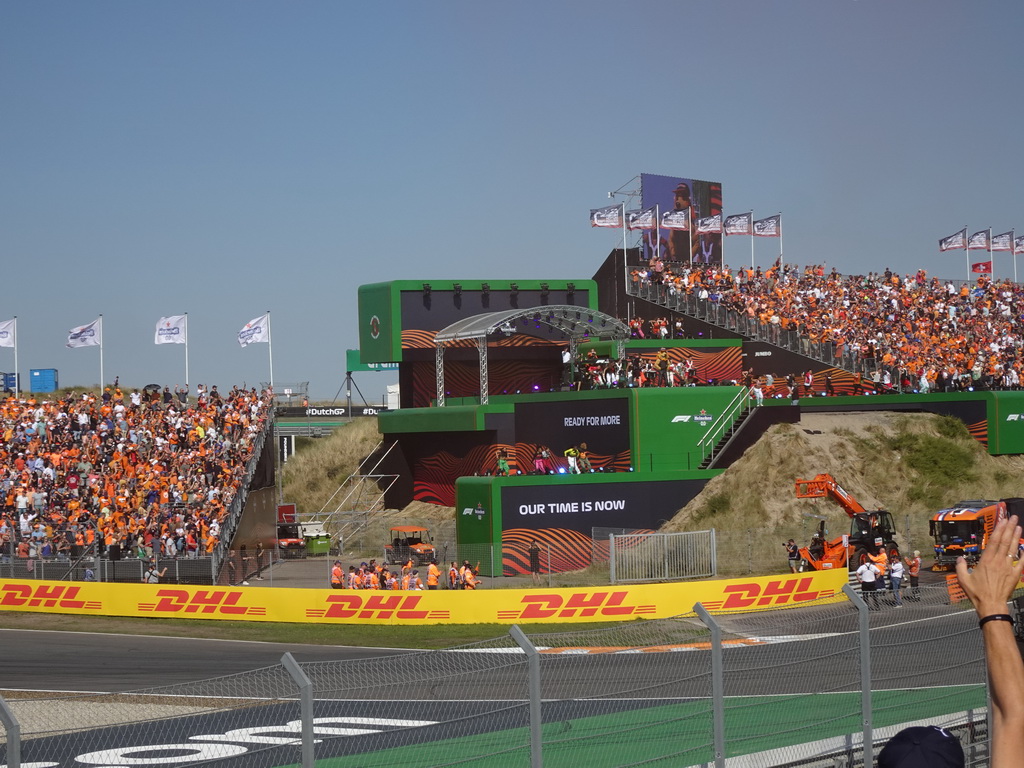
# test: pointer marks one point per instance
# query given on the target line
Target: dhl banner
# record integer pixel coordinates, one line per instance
(504, 606)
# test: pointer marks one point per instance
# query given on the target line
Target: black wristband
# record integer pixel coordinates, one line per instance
(995, 617)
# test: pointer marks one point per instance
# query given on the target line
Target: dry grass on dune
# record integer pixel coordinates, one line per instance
(910, 464)
(320, 466)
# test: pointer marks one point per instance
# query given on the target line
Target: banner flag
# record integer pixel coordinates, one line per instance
(770, 227)
(1003, 242)
(7, 331)
(255, 331)
(170, 330)
(606, 217)
(641, 219)
(678, 220)
(85, 335)
(978, 241)
(712, 224)
(983, 267)
(740, 224)
(954, 241)
(1018, 245)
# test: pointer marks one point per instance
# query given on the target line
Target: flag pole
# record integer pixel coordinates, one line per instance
(625, 260)
(17, 376)
(101, 354)
(991, 263)
(751, 239)
(967, 252)
(657, 229)
(1013, 253)
(270, 351)
(782, 260)
(186, 352)
(689, 233)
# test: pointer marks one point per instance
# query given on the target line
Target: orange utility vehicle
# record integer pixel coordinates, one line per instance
(964, 528)
(409, 542)
(871, 533)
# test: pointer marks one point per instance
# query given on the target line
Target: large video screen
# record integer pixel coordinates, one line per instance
(701, 200)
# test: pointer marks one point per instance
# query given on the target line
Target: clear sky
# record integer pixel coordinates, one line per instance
(232, 157)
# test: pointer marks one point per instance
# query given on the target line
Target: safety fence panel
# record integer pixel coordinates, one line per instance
(433, 708)
(662, 556)
(635, 694)
(821, 683)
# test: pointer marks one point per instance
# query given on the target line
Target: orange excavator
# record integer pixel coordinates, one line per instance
(871, 532)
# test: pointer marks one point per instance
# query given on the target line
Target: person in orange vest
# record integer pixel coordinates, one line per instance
(914, 572)
(433, 575)
(337, 578)
(453, 577)
(469, 576)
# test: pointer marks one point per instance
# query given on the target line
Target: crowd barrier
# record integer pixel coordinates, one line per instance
(822, 685)
(328, 606)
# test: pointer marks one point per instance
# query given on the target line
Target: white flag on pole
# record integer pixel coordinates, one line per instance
(7, 333)
(170, 330)
(88, 335)
(256, 330)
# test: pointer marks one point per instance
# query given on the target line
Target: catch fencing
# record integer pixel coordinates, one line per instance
(822, 684)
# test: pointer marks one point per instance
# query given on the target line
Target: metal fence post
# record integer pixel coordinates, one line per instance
(865, 672)
(13, 729)
(714, 553)
(717, 683)
(611, 558)
(305, 706)
(533, 671)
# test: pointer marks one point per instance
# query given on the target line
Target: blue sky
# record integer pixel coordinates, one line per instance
(226, 158)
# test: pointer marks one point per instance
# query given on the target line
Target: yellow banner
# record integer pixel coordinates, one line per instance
(504, 606)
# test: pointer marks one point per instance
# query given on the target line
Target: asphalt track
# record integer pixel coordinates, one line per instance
(43, 660)
(490, 717)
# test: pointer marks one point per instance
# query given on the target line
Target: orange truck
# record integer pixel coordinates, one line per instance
(871, 534)
(963, 529)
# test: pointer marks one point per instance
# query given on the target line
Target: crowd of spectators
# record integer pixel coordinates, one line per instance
(920, 332)
(142, 474)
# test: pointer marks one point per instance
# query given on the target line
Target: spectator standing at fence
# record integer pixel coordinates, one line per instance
(792, 555)
(868, 575)
(896, 579)
(535, 561)
(914, 573)
(151, 575)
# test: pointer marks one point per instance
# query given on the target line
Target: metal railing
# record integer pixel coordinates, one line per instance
(642, 557)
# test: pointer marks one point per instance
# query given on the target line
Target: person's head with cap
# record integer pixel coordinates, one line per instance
(923, 746)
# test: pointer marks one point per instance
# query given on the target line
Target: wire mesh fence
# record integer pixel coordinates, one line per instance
(823, 684)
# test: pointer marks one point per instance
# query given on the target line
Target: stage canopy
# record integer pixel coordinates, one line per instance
(577, 323)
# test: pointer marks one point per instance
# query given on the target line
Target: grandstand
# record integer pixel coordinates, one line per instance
(95, 487)
(669, 407)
